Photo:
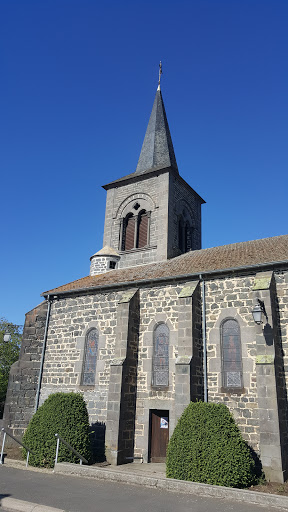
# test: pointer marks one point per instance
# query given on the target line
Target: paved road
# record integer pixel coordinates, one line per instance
(76, 494)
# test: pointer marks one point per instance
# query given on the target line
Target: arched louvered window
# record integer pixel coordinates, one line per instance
(90, 358)
(181, 234)
(135, 231)
(188, 237)
(128, 232)
(184, 235)
(142, 231)
(160, 362)
(231, 354)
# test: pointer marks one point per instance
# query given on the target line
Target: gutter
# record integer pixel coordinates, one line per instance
(205, 377)
(43, 354)
(139, 282)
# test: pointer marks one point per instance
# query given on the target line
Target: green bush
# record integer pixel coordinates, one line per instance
(64, 414)
(207, 447)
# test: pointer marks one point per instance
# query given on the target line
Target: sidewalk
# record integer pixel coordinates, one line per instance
(146, 476)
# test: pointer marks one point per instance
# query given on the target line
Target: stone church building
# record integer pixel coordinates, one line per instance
(160, 322)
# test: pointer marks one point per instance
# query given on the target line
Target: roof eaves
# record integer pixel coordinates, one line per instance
(135, 283)
(135, 177)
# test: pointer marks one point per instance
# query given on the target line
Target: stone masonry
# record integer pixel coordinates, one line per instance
(181, 195)
(123, 393)
(154, 285)
(24, 374)
(164, 194)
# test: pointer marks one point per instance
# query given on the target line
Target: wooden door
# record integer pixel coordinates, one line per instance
(159, 435)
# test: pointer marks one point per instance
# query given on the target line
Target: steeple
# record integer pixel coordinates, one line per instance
(157, 150)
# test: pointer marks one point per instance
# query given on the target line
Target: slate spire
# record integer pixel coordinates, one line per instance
(157, 150)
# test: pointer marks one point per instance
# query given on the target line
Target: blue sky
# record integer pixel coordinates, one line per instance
(78, 80)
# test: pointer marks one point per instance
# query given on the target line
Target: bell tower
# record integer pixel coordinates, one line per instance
(152, 214)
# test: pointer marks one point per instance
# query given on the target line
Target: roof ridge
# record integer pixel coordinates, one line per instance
(238, 243)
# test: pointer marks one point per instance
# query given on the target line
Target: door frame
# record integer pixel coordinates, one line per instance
(164, 412)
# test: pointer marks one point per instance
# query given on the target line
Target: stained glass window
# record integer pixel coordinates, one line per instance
(160, 373)
(90, 358)
(231, 354)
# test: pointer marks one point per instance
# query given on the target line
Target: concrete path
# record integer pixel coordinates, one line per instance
(34, 491)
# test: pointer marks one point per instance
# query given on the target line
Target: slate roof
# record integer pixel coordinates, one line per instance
(157, 149)
(216, 259)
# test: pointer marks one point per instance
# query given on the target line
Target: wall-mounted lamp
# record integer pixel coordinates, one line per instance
(7, 336)
(258, 311)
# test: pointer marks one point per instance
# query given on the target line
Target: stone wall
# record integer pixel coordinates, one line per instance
(129, 385)
(233, 298)
(70, 320)
(180, 196)
(101, 264)
(280, 321)
(24, 374)
(155, 190)
(260, 408)
(98, 265)
(157, 304)
(126, 325)
(281, 307)
(166, 195)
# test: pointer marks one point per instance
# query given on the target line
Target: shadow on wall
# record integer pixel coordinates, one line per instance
(281, 387)
(2, 496)
(258, 464)
(97, 436)
(268, 335)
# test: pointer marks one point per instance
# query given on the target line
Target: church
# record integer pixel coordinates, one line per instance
(160, 322)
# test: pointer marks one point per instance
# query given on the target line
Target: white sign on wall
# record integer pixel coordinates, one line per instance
(163, 422)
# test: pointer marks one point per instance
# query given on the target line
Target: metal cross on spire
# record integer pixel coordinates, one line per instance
(160, 73)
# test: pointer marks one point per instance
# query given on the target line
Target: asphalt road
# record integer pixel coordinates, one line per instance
(76, 494)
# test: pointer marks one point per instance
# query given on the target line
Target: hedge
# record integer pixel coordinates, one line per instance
(206, 446)
(65, 414)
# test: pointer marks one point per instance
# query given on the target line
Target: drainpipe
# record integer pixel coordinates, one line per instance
(204, 339)
(43, 354)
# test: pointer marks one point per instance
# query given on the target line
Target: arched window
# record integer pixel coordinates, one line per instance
(184, 235)
(128, 232)
(160, 362)
(231, 354)
(188, 237)
(135, 230)
(181, 234)
(142, 231)
(90, 358)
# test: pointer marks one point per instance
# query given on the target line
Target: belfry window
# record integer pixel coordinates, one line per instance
(128, 232)
(231, 354)
(184, 235)
(135, 230)
(90, 358)
(181, 234)
(160, 362)
(142, 231)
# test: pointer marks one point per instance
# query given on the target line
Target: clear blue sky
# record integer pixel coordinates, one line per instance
(78, 80)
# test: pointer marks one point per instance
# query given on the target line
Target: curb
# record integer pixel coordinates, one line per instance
(203, 490)
(13, 505)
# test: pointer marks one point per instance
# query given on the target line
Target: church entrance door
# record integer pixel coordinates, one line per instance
(159, 435)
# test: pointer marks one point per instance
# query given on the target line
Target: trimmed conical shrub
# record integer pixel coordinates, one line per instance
(64, 414)
(206, 446)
